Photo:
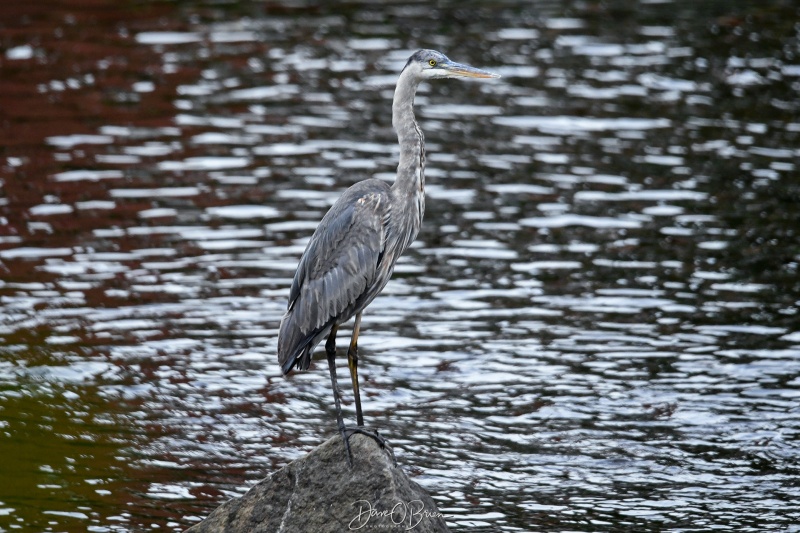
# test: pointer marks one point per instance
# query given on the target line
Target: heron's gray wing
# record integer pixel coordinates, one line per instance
(337, 270)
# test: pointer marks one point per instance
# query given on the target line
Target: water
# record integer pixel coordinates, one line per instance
(597, 328)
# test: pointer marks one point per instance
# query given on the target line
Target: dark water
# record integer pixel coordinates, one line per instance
(597, 329)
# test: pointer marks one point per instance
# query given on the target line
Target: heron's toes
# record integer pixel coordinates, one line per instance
(373, 434)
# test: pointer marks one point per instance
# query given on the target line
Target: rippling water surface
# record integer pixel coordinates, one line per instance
(597, 328)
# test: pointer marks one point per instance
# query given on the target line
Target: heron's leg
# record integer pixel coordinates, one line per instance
(330, 349)
(352, 362)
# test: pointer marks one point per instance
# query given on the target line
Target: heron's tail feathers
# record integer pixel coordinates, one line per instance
(300, 359)
(293, 350)
(295, 347)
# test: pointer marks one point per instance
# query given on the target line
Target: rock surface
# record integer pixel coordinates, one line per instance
(321, 493)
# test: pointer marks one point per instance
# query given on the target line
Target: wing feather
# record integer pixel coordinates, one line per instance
(337, 273)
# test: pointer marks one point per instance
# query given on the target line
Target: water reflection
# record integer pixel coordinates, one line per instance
(597, 328)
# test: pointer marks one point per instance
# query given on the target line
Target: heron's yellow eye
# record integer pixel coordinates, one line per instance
(432, 62)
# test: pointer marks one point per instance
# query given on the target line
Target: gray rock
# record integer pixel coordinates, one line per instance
(321, 493)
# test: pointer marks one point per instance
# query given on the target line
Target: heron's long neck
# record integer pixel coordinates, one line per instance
(410, 182)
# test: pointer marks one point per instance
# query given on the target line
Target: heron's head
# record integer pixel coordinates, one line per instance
(430, 65)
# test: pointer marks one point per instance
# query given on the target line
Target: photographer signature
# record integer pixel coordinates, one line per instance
(408, 515)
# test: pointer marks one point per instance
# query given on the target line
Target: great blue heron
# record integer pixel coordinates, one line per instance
(353, 251)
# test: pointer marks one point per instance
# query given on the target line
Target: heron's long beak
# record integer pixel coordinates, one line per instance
(466, 71)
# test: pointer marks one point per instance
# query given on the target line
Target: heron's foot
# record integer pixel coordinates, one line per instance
(383, 443)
